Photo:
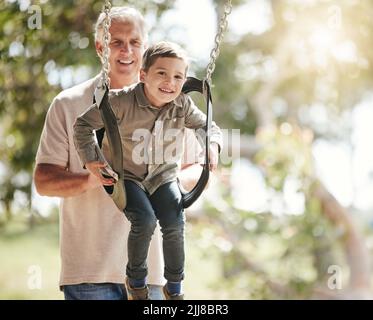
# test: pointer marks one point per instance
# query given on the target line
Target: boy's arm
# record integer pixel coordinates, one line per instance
(84, 138)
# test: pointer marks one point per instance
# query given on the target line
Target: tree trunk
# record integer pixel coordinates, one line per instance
(8, 213)
(357, 254)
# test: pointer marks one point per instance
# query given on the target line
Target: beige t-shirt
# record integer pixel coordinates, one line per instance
(93, 232)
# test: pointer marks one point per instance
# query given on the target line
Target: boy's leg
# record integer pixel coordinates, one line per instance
(167, 205)
(140, 213)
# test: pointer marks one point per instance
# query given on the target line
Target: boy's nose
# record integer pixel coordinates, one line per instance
(169, 79)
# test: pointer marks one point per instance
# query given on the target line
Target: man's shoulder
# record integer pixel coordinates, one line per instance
(80, 91)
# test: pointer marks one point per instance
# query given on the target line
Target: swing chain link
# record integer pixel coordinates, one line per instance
(106, 51)
(223, 24)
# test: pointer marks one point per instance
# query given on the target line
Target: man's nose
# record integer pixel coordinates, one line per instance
(126, 47)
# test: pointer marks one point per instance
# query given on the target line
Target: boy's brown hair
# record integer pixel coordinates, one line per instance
(163, 49)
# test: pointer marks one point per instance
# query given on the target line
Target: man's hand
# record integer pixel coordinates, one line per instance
(94, 168)
(214, 156)
(93, 181)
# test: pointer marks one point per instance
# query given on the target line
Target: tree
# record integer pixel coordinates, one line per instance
(44, 49)
(314, 53)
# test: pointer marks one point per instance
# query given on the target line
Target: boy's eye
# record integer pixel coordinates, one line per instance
(178, 77)
(161, 73)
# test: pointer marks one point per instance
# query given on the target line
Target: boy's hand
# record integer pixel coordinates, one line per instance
(214, 156)
(94, 168)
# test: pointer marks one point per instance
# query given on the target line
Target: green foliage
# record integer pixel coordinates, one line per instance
(264, 256)
(32, 65)
(281, 72)
(286, 154)
(279, 253)
(315, 52)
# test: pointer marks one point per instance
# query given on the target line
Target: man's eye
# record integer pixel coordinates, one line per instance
(162, 73)
(137, 43)
(179, 77)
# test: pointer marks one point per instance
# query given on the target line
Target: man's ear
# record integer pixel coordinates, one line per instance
(99, 48)
(142, 75)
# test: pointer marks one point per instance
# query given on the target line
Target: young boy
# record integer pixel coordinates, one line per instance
(151, 118)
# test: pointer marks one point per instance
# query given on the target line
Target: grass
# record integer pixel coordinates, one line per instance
(27, 253)
(200, 272)
(29, 261)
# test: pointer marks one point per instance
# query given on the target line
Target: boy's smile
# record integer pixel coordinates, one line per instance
(164, 80)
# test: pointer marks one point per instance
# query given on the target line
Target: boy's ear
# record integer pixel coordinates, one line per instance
(142, 75)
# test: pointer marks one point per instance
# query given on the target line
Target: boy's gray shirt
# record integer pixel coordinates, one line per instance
(142, 127)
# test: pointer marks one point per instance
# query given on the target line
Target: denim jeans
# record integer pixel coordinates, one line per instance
(142, 211)
(104, 291)
(95, 291)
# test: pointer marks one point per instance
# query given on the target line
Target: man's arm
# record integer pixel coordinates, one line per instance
(191, 164)
(189, 175)
(55, 181)
(196, 119)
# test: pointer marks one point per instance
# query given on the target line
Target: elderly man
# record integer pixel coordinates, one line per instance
(93, 232)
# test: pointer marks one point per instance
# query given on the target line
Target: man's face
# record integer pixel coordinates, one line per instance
(126, 49)
(164, 80)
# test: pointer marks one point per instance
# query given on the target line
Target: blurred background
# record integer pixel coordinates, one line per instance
(289, 215)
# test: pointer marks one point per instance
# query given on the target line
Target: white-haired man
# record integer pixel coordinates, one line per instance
(93, 232)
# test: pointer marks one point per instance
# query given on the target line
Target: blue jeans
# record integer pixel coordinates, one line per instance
(95, 291)
(104, 291)
(142, 211)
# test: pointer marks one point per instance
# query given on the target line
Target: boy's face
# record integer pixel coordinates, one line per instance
(164, 80)
(126, 49)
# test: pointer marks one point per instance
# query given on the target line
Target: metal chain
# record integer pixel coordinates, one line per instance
(218, 38)
(213, 55)
(106, 51)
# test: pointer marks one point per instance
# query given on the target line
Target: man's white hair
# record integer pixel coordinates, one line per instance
(121, 14)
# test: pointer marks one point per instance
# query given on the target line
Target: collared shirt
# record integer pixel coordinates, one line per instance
(152, 138)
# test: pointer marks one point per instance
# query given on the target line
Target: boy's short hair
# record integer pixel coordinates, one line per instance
(121, 14)
(162, 49)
